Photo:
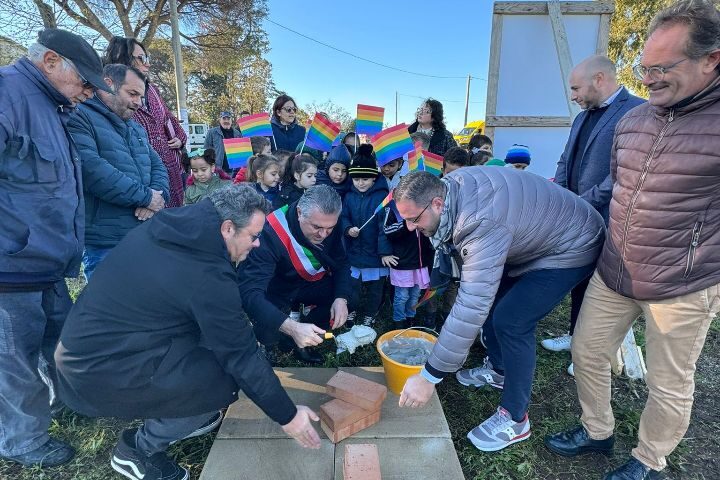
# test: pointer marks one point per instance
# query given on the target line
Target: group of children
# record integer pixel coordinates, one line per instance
(379, 244)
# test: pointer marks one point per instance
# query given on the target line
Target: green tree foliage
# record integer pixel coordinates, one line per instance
(628, 30)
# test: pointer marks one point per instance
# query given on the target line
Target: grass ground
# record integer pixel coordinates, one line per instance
(554, 407)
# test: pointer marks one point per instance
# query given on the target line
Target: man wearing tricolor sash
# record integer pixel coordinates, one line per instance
(301, 258)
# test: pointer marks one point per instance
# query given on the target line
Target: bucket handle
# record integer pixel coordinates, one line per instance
(416, 328)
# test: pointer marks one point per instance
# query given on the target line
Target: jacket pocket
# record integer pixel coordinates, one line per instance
(27, 161)
(692, 248)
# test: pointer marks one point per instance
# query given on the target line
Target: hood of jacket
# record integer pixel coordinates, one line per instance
(170, 227)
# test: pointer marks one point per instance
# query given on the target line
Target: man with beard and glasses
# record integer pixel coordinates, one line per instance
(124, 180)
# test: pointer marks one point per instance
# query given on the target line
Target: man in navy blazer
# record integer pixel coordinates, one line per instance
(584, 166)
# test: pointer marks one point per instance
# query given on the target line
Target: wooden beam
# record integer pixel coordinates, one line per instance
(493, 71)
(563, 52)
(603, 35)
(525, 121)
(566, 8)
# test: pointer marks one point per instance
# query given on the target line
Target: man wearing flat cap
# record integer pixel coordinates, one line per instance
(41, 239)
(215, 136)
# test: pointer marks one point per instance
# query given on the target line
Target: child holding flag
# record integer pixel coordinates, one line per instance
(335, 172)
(204, 176)
(265, 172)
(410, 274)
(369, 251)
(303, 171)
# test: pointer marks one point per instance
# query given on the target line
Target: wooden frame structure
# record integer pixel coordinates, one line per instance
(555, 10)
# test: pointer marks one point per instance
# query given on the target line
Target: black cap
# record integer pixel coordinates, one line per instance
(78, 51)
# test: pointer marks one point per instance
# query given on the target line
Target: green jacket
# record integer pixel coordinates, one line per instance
(197, 191)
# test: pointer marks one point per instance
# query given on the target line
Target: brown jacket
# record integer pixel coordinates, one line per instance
(663, 238)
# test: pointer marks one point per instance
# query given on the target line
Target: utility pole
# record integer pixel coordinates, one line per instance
(396, 106)
(467, 100)
(179, 78)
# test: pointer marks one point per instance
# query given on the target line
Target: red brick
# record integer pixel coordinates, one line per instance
(352, 429)
(358, 391)
(339, 414)
(362, 462)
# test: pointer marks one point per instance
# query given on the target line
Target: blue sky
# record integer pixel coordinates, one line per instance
(426, 36)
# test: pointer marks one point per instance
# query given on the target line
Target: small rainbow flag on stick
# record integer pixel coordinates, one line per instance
(384, 203)
(257, 125)
(369, 119)
(321, 134)
(416, 161)
(238, 151)
(392, 143)
(428, 295)
(433, 163)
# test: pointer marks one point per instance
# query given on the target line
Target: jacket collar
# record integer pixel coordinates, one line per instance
(33, 73)
(277, 122)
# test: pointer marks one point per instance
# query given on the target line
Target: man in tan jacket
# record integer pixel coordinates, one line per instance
(662, 253)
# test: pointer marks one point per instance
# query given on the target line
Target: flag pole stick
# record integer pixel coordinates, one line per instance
(368, 221)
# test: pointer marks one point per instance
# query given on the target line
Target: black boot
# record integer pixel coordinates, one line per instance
(401, 324)
(308, 356)
(633, 469)
(577, 441)
(51, 454)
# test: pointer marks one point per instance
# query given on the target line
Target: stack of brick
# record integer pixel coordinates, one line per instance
(356, 405)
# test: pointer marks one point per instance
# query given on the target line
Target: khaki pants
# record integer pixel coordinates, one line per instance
(675, 334)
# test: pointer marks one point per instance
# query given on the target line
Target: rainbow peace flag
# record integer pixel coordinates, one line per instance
(416, 161)
(392, 143)
(257, 125)
(433, 163)
(369, 119)
(238, 151)
(429, 294)
(321, 134)
(384, 203)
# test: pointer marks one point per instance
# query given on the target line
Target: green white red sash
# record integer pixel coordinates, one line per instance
(305, 263)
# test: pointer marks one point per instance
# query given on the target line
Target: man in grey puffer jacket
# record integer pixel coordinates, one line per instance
(521, 244)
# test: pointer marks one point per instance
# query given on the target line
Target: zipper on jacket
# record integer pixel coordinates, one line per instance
(694, 242)
(636, 194)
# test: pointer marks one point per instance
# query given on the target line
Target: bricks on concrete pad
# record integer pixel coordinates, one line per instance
(362, 462)
(339, 414)
(336, 436)
(357, 391)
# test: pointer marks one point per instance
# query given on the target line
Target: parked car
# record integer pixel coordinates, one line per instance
(196, 136)
(464, 135)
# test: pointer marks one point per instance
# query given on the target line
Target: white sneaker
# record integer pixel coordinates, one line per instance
(571, 370)
(557, 344)
(499, 431)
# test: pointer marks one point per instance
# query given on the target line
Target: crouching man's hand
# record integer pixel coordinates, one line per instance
(300, 428)
(417, 392)
(303, 334)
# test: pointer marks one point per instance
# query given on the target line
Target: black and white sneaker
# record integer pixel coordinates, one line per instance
(207, 427)
(129, 462)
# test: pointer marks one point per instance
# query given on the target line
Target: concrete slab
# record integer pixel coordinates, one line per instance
(428, 421)
(409, 458)
(268, 459)
(306, 386)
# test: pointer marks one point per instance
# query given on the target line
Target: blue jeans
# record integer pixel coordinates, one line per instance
(30, 324)
(509, 332)
(92, 256)
(404, 301)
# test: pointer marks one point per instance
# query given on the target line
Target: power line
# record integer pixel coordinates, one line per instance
(368, 60)
(439, 99)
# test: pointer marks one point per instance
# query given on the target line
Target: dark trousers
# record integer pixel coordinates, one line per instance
(156, 434)
(367, 303)
(576, 298)
(30, 325)
(509, 332)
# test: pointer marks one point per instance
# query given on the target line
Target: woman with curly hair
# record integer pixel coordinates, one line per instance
(166, 135)
(429, 119)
